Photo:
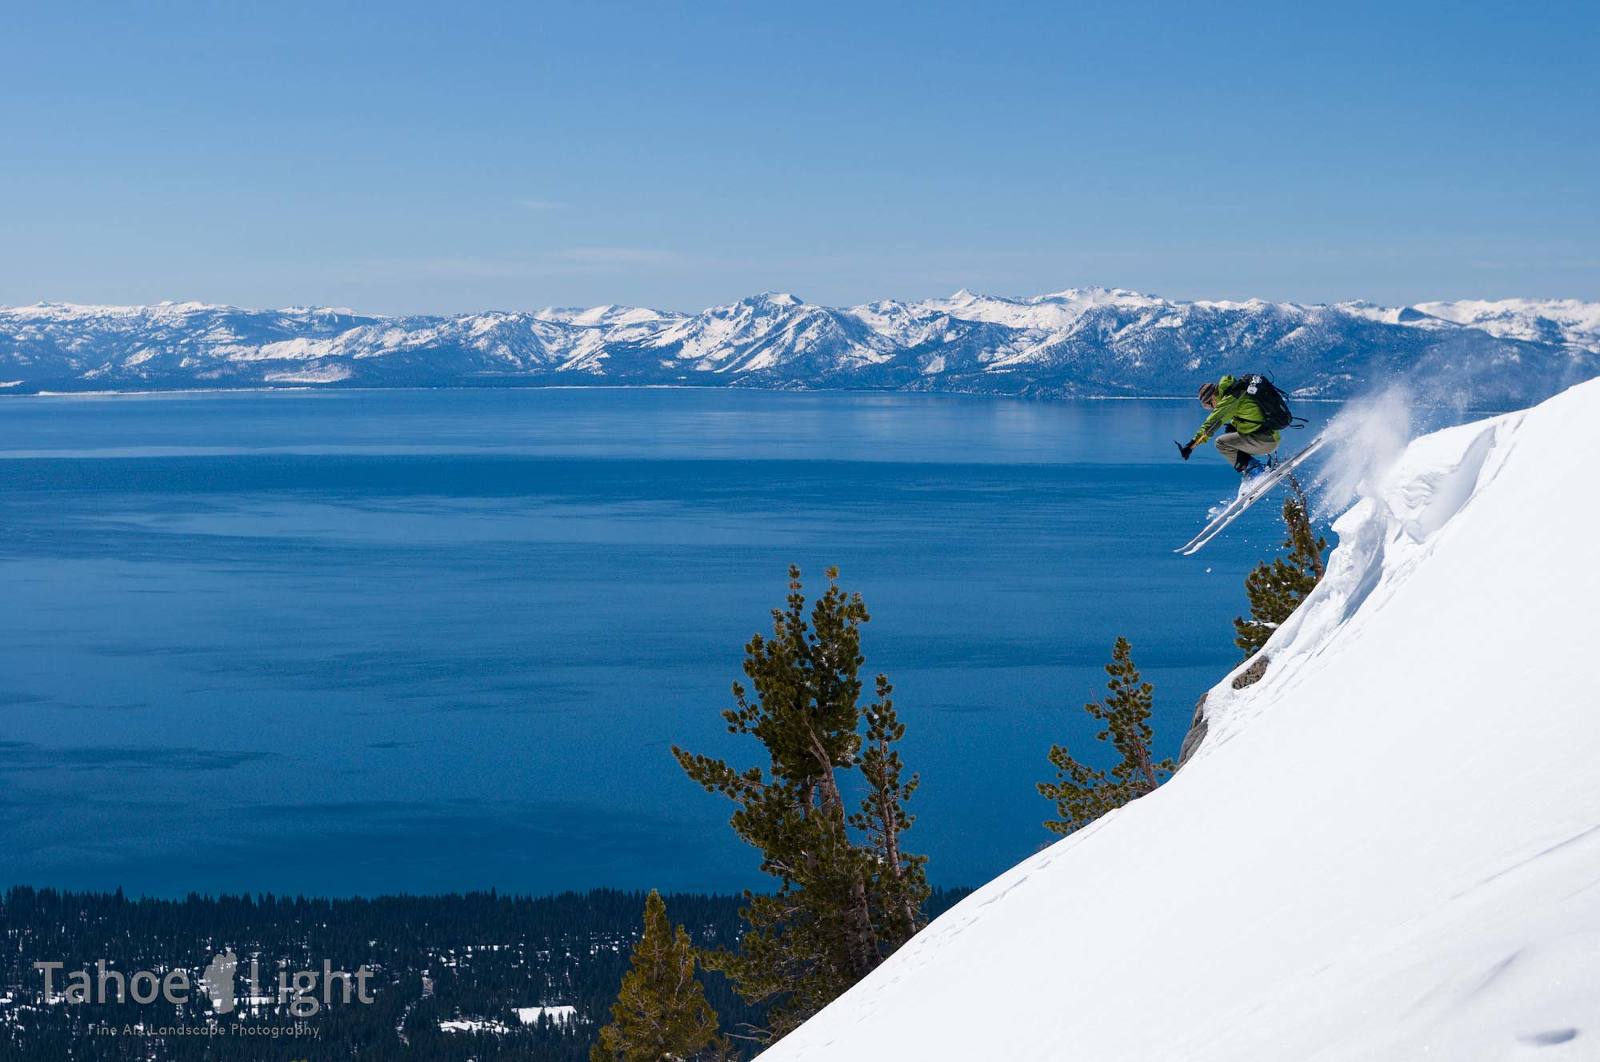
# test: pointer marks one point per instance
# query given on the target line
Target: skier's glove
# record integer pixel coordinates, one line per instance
(1185, 449)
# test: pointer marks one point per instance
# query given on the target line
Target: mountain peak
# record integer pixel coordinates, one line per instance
(1096, 294)
(772, 298)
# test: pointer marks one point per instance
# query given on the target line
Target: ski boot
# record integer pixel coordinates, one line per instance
(1253, 467)
(1250, 474)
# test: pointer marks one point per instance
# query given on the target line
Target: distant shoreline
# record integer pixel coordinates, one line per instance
(412, 388)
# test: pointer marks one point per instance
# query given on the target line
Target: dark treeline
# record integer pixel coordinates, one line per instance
(474, 957)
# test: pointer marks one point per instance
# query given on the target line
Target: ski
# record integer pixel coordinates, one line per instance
(1265, 482)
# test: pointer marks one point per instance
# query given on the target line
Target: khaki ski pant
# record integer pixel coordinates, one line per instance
(1233, 446)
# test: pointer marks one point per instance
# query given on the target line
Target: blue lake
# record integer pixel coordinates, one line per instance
(414, 641)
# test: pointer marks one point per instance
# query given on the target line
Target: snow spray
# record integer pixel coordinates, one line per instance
(1364, 440)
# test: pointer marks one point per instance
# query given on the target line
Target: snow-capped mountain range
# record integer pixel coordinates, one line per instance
(1083, 341)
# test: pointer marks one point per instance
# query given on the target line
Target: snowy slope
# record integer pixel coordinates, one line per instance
(1082, 341)
(1388, 848)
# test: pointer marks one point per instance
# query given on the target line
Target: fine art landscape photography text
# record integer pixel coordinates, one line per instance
(700, 532)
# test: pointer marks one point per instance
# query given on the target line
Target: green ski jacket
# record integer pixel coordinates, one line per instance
(1240, 410)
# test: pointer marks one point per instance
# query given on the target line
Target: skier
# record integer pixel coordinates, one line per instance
(1249, 430)
(1254, 411)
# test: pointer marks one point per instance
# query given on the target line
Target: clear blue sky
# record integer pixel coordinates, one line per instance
(453, 156)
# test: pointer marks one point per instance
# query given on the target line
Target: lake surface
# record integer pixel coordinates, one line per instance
(365, 642)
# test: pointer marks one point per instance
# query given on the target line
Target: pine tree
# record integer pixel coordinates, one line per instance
(848, 894)
(1276, 588)
(661, 1013)
(1083, 793)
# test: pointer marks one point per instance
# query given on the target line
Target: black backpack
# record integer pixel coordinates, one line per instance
(1275, 415)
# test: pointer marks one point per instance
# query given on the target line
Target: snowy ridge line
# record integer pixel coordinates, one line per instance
(1386, 849)
(1091, 342)
(1381, 540)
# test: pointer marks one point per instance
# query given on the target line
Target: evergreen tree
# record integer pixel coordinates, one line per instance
(1083, 793)
(1276, 588)
(661, 1013)
(848, 894)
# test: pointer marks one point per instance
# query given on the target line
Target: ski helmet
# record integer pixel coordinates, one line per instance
(1208, 393)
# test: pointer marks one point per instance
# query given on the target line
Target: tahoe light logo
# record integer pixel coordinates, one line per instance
(304, 992)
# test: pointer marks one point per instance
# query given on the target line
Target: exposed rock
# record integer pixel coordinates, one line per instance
(1197, 726)
(1252, 674)
(1196, 734)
